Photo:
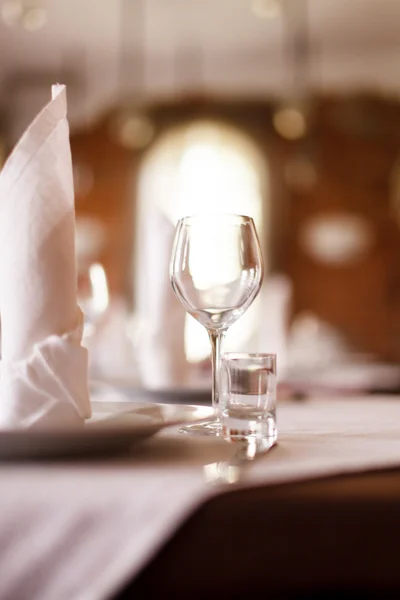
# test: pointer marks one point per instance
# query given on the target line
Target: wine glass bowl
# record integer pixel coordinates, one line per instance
(216, 272)
(93, 296)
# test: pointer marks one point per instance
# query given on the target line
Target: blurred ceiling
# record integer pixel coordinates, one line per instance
(222, 47)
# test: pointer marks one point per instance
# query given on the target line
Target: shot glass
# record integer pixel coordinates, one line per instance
(248, 407)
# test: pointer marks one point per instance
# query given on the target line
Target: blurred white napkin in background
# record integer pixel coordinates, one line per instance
(161, 358)
(44, 367)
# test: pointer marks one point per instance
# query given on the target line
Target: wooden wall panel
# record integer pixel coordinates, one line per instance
(110, 199)
(354, 144)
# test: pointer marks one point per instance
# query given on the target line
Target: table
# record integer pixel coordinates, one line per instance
(314, 539)
(148, 523)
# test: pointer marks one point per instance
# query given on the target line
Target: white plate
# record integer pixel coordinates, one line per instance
(167, 395)
(113, 428)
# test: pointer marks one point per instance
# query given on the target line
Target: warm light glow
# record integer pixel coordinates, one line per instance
(205, 272)
(207, 168)
(337, 239)
(98, 279)
(290, 123)
(34, 18)
(266, 9)
(214, 180)
(134, 130)
(11, 12)
(17, 13)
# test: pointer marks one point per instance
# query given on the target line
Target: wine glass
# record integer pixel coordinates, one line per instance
(93, 297)
(216, 272)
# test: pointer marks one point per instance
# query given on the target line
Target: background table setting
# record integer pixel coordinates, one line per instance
(94, 482)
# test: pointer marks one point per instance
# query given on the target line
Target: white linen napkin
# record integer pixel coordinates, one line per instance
(44, 367)
(161, 357)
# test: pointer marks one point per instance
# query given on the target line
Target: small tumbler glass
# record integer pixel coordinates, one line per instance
(248, 402)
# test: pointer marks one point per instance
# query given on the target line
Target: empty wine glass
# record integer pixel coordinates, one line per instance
(93, 296)
(216, 272)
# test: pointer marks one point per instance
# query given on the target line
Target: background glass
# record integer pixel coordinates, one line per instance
(216, 272)
(93, 296)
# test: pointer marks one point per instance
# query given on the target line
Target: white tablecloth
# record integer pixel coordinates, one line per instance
(81, 530)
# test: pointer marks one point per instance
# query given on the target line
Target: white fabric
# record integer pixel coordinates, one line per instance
(81, 531)
(44, 366)
(271, 327)
(112, 348)
(161, 317)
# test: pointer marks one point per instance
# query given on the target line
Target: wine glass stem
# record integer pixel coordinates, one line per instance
(216, 338)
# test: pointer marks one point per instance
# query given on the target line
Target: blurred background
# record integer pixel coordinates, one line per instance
(286, 110)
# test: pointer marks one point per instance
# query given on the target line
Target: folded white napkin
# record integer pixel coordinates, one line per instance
(44, 367)
(161, 361)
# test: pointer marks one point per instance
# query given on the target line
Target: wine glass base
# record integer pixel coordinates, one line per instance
(207, 427)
